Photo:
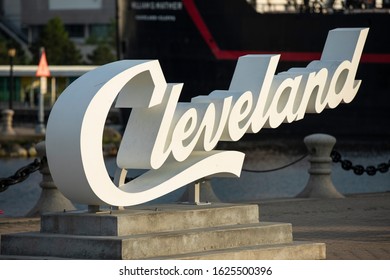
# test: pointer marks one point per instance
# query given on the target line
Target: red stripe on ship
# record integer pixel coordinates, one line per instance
(285, 56)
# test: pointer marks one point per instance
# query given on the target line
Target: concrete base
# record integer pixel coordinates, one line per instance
(216, 231)
(51, 199)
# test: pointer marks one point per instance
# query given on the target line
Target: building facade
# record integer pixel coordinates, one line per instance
(22, 21)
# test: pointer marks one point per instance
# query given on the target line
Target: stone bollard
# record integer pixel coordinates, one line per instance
(7, 118)
(51, 199)
(320, 183)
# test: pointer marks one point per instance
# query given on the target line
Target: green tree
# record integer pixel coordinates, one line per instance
(105, 42)
(4, 59)
(101, 55)
(5, 45)
(60, 50)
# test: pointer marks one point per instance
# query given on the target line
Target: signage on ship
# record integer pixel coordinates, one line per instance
(151, 10)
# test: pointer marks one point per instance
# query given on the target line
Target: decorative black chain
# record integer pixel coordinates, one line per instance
(359, 169)
(21, 174)
(277, 168)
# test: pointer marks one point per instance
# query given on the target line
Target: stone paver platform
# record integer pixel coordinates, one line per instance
(356, 227)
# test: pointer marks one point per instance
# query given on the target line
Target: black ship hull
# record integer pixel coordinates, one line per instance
(198, 42)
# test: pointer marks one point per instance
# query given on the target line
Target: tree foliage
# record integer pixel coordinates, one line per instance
(5, 45)
(105, 46)
(101, 55)
(60, 50)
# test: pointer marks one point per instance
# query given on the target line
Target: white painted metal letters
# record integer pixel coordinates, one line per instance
(175, 140)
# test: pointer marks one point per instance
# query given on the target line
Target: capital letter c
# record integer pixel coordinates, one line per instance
(75, 130)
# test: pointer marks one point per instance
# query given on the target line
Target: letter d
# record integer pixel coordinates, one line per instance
(345, 44)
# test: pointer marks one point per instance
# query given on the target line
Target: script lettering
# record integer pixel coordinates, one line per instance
(175, 140)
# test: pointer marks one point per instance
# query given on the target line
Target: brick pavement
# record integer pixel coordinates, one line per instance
(357, 227)
(13, 225)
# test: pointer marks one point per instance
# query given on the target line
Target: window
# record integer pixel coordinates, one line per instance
(75, 30)
(99, 31)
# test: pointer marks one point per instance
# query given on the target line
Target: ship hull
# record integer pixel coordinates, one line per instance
(198, 43)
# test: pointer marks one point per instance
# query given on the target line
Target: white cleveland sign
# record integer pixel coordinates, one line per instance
(175, 140)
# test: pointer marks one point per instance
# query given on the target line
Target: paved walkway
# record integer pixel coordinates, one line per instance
(356, 227)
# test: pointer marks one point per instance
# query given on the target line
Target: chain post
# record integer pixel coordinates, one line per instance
(320, 184)
(7, 116)
(51, 199)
